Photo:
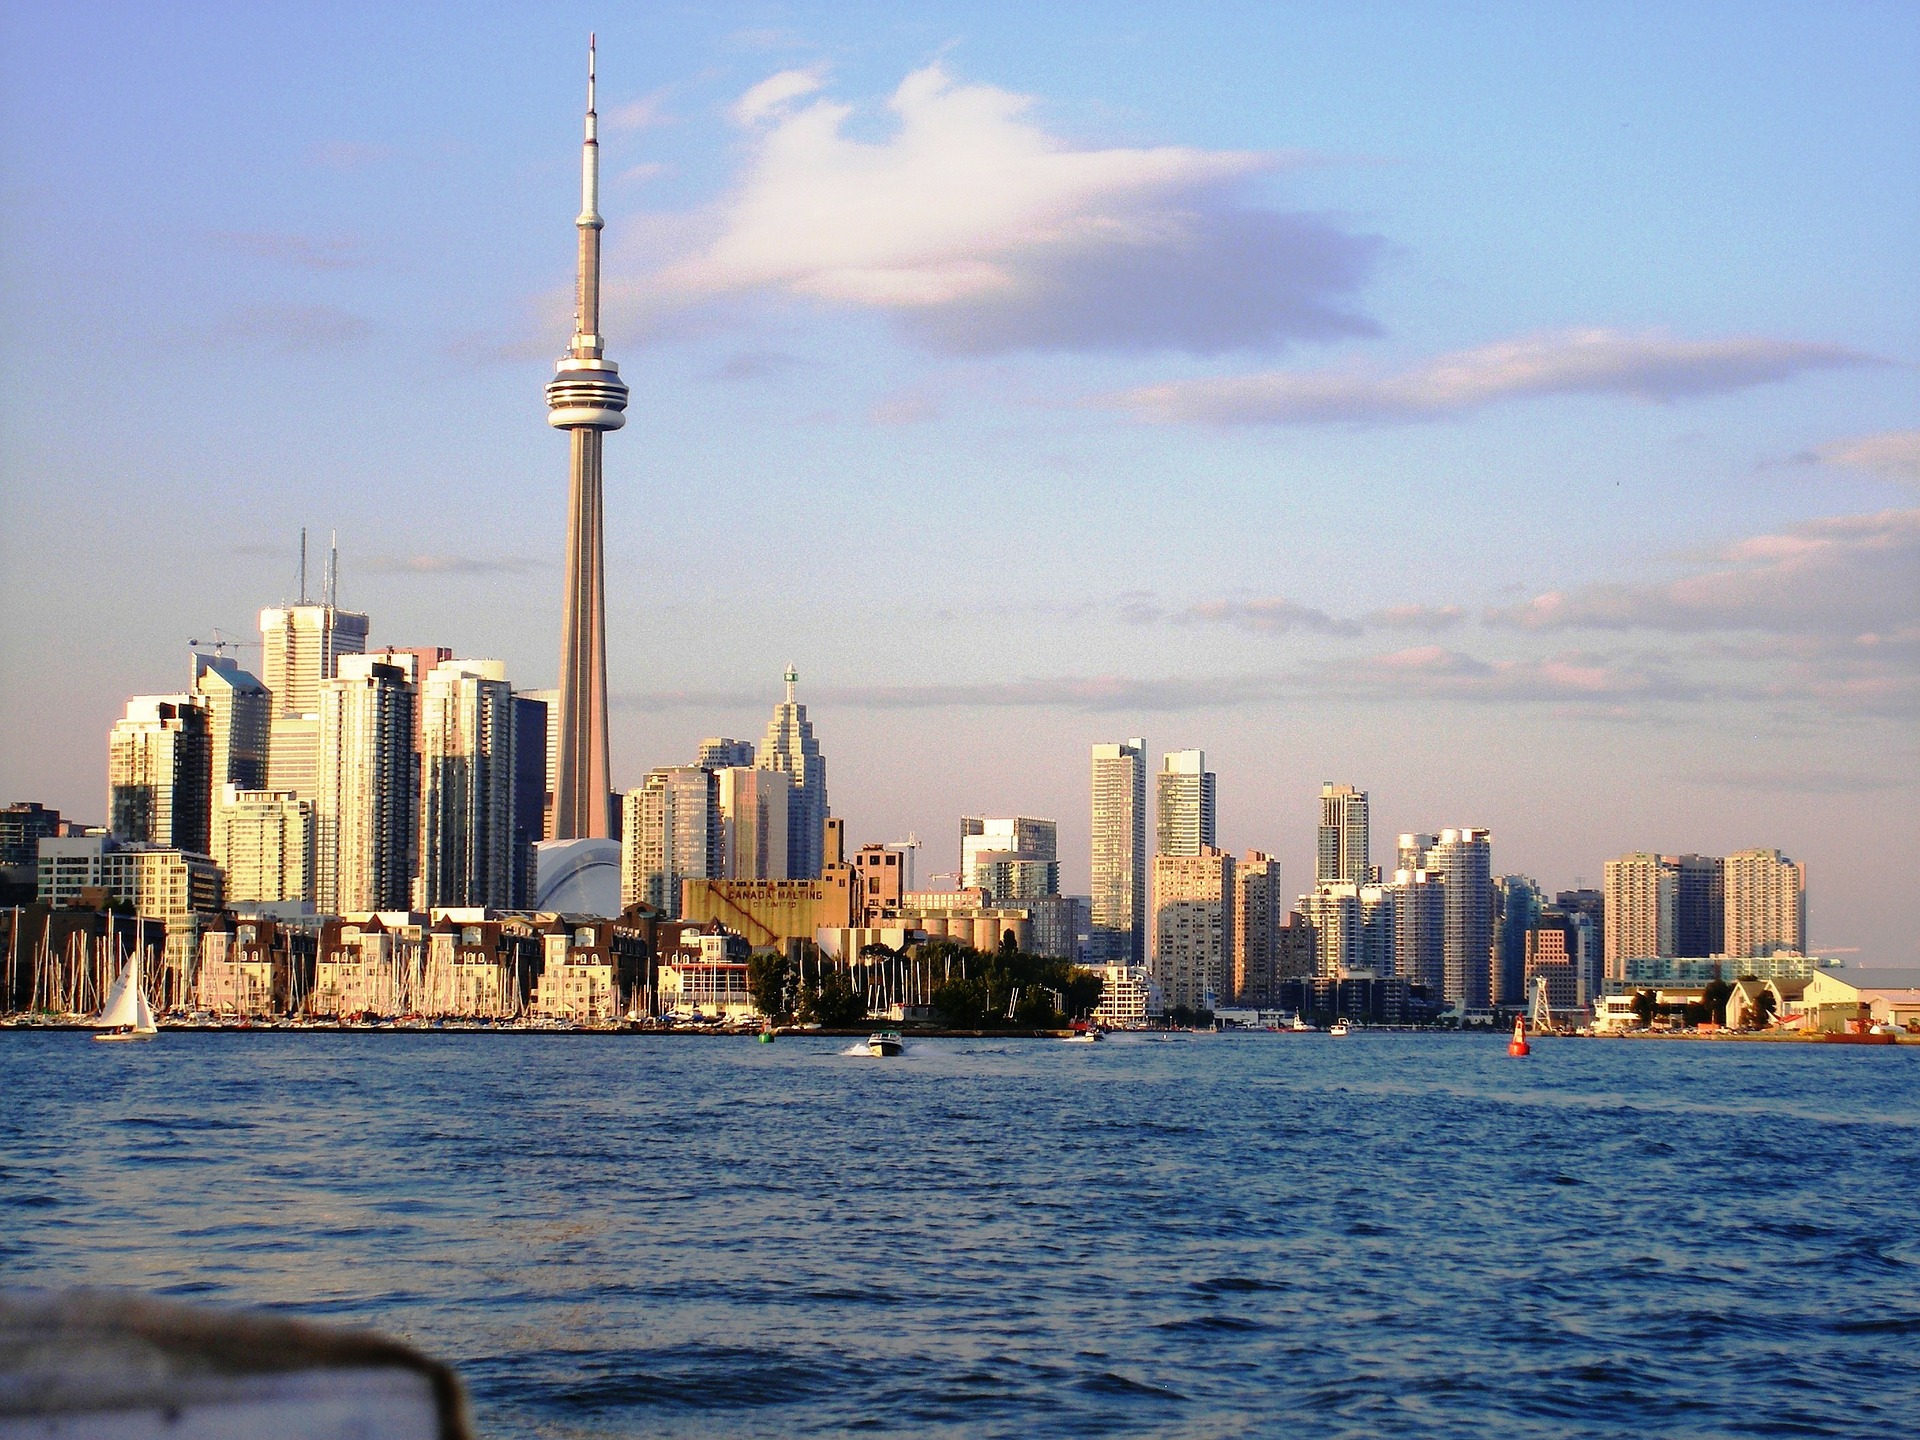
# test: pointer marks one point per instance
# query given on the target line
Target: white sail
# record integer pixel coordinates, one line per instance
(143, 1025)
(124, 1000)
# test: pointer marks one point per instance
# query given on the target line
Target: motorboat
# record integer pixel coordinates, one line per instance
(1338, 1028)
(885, 1042)
(1087, 1036)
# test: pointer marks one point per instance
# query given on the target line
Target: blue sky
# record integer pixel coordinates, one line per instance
(1510, 409)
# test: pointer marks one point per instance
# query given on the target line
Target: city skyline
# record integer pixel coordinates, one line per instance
(1661, 647)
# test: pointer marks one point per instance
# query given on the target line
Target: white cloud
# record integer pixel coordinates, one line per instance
(774, 93)
(980, 231)
(1651, 367)
(1269, 615)
(1892, 455)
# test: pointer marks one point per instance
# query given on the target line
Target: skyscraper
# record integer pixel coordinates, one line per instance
(790, 746)
(1258, 909)
(532, 789)
(1639, 892)
(1332, 909)
(754, 809)
(719, 753)
(159, 773)
(671, 833)
(1699, 905)
(468, 854)
(301, 645)
(1517, 902)
(1420, 927)
(1193, 927)
(586, 398)
(263, 843)
(366, 810)
(240, 712)
(1119, 901)
(1183, 804)
(1012, 858)
(1766, 903)
(1346, 850)
(1463, 859)
(1411, 851)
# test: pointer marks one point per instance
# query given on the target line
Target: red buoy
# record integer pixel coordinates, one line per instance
(1518, 1044)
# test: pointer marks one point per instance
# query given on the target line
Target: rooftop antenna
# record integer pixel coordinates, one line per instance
(303, 564)
(792, 677)
(333, 570)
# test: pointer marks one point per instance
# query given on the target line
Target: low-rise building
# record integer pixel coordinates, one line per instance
(253, 967)
(1130, 997)
(593, 971)
(705, 978)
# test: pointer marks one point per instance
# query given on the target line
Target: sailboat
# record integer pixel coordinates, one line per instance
(127, 1015)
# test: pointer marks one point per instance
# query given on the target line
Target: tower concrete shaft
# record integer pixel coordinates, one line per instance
(587, 398)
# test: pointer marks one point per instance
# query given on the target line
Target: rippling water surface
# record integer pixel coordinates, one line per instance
(1391, 1235)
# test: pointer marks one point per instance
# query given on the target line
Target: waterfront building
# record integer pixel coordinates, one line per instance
(1298, 958)
(470, 835)
(755, 807)
(968, 917)
(1639, 895)
(1130, 998)
(1375, 951)
(366, 812)
(720, 753)
(23, 825)
(75, 868)
(1766, 903)
(1118, 905)
(1411, 851)
(1345, 852)
(791, 748)
(704, 977)
(1258, 908)
(773, 914)
(1699, 904)
(880, 875)
(671, 833)
(159, 773)
(586, 398)
(253, 967)
(1193, 927)
(263, 843)
(240, 713)
(1463, 859)
(1057, 923)
(1517, 903)
(1014, 859)
(592, 971)
(1420, 925)
(1184, 804)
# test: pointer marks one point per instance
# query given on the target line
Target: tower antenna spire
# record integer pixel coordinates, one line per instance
(333, 569)
(303, 564)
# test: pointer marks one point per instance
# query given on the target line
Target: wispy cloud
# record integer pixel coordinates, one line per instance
(311, 252)
(1415, 617)
(1892, 455)
(980, 232)
(1651, 367)
(1272, 616)
(291, 329)
(453, 564)
(645, 113)
(1844, 575)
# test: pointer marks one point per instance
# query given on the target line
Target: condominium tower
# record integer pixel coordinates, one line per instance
(1183, 804)
(1766, 903)
(1011, 858)
(366, 835)
(1463, 861)
(159, 772)
(1345, 849)
(1117, 908)
(1193, 927)
(670, 833)
(469, 838)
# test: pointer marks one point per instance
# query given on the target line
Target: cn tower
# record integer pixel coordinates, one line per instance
(586, 398)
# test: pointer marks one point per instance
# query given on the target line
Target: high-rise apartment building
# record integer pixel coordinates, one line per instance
(1463, 859)
(1345, 850)
(366, 812)
(1333, 912)
(532, 789)
(1193, 927)
(470, 835)
(790, 747)
(754, 808)
(1699, 905)
(1011, 858)
(263, 842)
(720, 753)
(1639, 890)
(1118, 904)
(159, 773)
(1376, 952)
(1258, 909)
(1766, 904)
(1411, 851)
(301, 646)
(549, 701)
(671, 833)
(1586, 917)
(1420, 926)
(1183, 804)
(23, 825)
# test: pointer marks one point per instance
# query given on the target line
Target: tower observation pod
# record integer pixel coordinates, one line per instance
(586, 398)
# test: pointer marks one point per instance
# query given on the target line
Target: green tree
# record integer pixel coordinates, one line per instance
(768, 981)
(832, 1001)
(1643, 1007)
(1715, 998)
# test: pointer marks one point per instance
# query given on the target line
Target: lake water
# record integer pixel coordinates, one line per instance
(1254, 1235)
